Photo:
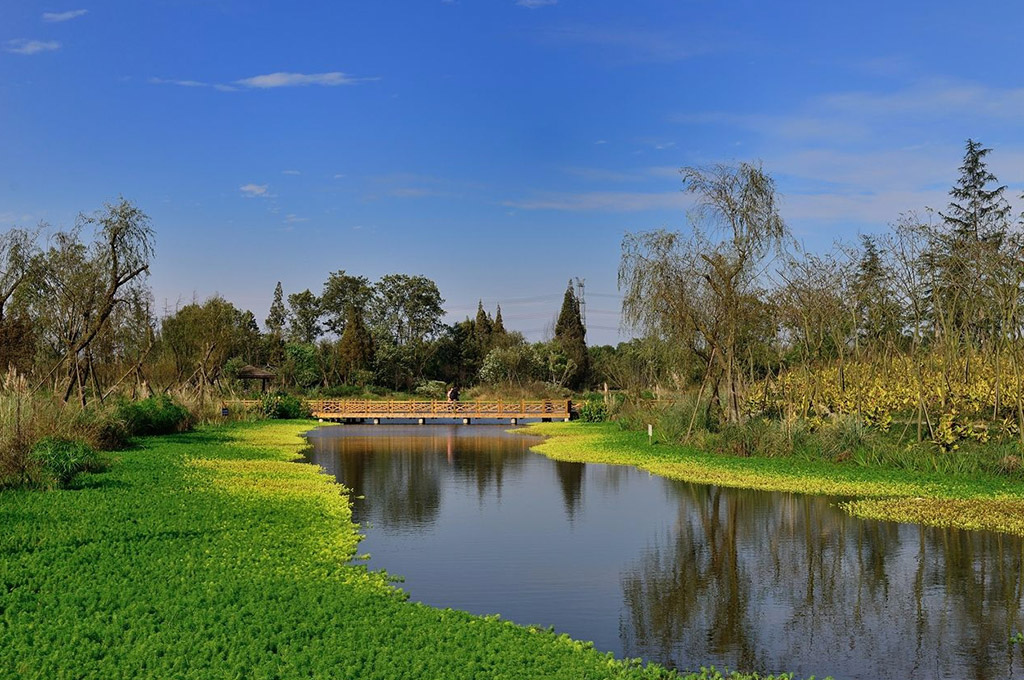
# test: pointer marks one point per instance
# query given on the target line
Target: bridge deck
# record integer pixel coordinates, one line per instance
(330, 409)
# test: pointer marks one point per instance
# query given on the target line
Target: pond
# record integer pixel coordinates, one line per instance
(675, 573)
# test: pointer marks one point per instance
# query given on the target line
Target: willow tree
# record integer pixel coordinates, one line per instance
(82, 285)
(704, 289)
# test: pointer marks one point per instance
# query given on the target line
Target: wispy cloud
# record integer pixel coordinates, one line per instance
(284, 79)
(534, 4)
(269, 81)
(294, 219)
(23, 46)
(192, 83)
(255, 190)
(55, 17)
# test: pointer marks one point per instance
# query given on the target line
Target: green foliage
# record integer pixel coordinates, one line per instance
(593, 411)
(355, 349)
(283, 406)
(304, 314)
(514, 365)
(845, 436)
(278, 315)
(63, 459)
(342, 293)
(431, 389)
(155, 415)
(301, 367)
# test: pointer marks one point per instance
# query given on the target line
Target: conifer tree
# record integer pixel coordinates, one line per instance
(959, 260)
(498, 329)
(978, 211)
(482, 329)
(278, 315)
(571, 337)
(355, 349)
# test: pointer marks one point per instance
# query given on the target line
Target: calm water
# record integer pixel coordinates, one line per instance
(681, 574)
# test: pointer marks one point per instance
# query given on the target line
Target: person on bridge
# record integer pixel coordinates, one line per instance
(453, 393)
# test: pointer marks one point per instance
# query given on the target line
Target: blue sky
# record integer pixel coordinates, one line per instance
(498, 147)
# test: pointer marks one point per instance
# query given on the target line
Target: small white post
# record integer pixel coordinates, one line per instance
(650, 434)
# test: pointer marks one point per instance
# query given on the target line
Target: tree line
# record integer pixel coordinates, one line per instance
(935, 303)
(77, 319)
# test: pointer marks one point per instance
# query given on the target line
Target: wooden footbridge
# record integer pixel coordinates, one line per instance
(329, 409)
(377, 410)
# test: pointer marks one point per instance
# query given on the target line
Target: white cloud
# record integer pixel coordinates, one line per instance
(270, 81)
(534, 4)
(192, 83)
(254, 190)
(23, 46)
(294, 219)
(339, 176)
(54, 17)
(290, 172)
(283, 79)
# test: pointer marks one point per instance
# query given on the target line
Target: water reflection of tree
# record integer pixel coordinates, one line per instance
(397, 479)
(570, 479)
(782, 582)
(485, 460)
(692, 585)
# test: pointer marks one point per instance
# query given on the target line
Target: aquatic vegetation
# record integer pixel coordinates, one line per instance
(969, 501)
(209, 554)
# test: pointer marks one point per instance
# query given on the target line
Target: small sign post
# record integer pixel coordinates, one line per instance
(650, 434)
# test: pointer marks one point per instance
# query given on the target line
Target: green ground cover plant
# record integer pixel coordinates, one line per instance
(211, 554)
(971, 500)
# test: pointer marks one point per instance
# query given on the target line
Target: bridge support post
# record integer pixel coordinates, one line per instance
(376, 421)
(515, 421)
(566, 420)
(465, 421)
(420, 421)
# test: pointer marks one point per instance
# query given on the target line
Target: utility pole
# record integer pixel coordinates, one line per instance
(582, 301)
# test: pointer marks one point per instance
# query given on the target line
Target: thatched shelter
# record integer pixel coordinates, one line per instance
(247, 373)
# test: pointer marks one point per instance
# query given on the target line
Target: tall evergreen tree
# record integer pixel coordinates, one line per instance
(571, 337)
(978, 210)
(355, 349)
(482, 328)
(498, 329)
(960, 257)
(278, 314)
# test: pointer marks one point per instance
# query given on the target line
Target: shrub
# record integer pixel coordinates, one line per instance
(432, 389)
(283, 406)
(62, 459)
(593, 411)
(845, 436)
(155, 415)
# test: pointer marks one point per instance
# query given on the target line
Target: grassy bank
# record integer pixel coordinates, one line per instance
(210, 555)
(976, 501)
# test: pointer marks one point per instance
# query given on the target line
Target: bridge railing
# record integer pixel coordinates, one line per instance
(369, 408)
(355, 408)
